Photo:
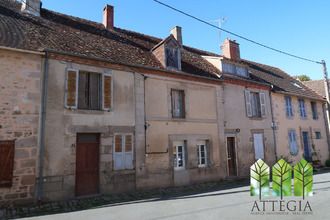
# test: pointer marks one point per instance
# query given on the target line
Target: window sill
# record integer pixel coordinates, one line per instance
(88, 111)
(290, 117)
(202, 166)
(179, 169)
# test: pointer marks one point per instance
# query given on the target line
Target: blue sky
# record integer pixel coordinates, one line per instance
(297, 27)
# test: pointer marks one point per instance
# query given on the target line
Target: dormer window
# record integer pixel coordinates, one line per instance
(172, 58)
(168, 53)
(234, 69)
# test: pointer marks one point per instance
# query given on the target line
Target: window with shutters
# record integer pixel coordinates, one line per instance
(201, 153)
(255, 104)
(258, 146)
(7, 149)
(178, 103)
(302, 108)
(87, 90)
(288, 106)
(293, 142)
(123, 151)
(172, 58)
(178, 155)
(314, 110)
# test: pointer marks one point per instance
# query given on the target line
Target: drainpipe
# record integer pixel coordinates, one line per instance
(273, 122)
(324, 106)
(43, 115)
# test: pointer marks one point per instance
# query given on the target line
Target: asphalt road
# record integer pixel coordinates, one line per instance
(235, 203)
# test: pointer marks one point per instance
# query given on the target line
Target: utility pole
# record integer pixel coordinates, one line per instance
(326, 87)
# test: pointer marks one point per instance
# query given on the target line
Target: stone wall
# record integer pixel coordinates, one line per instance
(20, 101)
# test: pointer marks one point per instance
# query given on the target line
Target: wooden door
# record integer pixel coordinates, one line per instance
(87, 164)
(231, 156)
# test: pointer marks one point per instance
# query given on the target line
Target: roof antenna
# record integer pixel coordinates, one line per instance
(223, 20)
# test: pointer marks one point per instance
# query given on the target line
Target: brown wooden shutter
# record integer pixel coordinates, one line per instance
(107, 91)
(71, 90)
(7, 149)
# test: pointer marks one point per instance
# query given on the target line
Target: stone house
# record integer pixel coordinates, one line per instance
(101, 109)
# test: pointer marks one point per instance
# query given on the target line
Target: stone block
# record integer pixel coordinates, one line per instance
(31, 74)
(27, 120)
(56, 178)
(28, 180)
(28, 163)
(52, 186)
(106, 158)
(12, 196)
(21, 153)
(27, 142)
(23, 202)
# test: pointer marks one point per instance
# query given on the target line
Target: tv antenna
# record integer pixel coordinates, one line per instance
(223, 20)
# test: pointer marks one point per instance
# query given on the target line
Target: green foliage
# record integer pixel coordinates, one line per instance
(303, 78)
(303, 179)
(259, 173)
(282, 179)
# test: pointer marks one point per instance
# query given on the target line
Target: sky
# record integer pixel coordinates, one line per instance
(298, 27)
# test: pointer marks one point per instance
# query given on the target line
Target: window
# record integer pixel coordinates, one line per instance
(302, 108)
(123, 151)
(86, 90)
(258, 146)
(178, 155)
(234, 69)
(317, 135)
(288, 106)
(201, 151)
(172, 58)
(7, 149)
(314, 110)
(178, 105)
(293, 142)
(255, 104)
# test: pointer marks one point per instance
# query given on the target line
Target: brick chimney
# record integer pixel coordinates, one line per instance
(176, 32)
(230, 49)
(108, 16)
(32, 7)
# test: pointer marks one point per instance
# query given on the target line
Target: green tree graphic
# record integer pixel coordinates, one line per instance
(259, 172)
(303, 179)
(282, 179)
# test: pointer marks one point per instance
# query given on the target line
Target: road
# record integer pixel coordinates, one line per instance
(235, 203)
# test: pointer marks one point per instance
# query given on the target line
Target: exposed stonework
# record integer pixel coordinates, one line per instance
(20, 100)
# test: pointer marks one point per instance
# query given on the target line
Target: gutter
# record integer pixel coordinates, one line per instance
(43, 115)
(21, 50)
(273, 122)
(131, 65)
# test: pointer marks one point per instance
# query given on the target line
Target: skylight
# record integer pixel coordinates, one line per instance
(296, 85)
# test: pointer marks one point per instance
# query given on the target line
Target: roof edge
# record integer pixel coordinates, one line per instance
(22, 50)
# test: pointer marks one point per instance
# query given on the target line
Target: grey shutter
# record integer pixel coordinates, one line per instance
(258, 146)
(293, 142)
(263, 104)
(71, 89)
(248, 106)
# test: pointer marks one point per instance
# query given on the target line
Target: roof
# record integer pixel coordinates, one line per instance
(281, 81)
(316, 85)
(60, 32)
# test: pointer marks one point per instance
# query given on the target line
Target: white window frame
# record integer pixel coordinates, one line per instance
(176, 145)
(302, 108)
(199, 147)
(288, 106)
(293, 142)
(123, 154)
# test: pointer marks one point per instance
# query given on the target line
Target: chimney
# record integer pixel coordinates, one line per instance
(176, 32)
(108, 16)
(230, 49)
(32, 7)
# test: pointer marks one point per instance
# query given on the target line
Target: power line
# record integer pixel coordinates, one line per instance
(236, 35)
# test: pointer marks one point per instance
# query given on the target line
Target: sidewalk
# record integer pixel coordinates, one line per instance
(90, 202)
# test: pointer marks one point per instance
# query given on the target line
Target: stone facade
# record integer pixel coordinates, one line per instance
(20, 101)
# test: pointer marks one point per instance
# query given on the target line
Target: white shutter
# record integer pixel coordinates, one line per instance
(71, 89)
(248, 106)
(263, 104)
(258, 146)
(107, 92)
(118, 152)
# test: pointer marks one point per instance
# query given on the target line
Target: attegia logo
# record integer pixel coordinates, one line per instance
(281, 176)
